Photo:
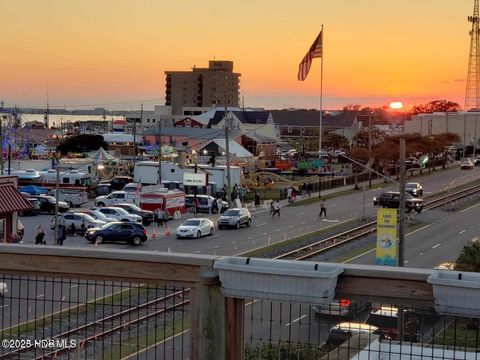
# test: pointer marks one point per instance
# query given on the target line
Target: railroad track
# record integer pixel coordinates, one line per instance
(93, 331)
(318, 247)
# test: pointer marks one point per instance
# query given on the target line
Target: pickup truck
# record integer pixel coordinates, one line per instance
(391, 199)
(116, 197)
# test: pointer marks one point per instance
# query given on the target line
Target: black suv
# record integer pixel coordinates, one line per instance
(391, 199)
(119, 182)
(147, 215)
(47, 204)
(132, 233)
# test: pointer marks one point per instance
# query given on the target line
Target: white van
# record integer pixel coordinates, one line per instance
(73, 197)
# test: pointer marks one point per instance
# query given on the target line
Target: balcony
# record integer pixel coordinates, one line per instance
(82, 303)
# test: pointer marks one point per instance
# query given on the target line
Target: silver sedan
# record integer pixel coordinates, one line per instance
(196, 228)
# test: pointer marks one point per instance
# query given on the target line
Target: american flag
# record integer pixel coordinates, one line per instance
(315, 51)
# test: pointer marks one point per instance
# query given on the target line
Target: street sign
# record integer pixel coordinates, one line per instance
(192, 179)
(387, 237)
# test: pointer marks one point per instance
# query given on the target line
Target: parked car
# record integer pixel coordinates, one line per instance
(47, 204)
(204, 203)
(391, 199)
(147, 215)
(132, 187)
(195, 227)
(414, 189)
(72, 197)
(111, 199)
(132, 233)
(119, 182)
(34, 210)
(343, 308)
(466, 165)
(119, 214)
(79, 220)
(97, 215)
(385, 319)
(103, 189)
(235, 217)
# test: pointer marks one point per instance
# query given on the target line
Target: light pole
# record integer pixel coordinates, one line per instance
(57, 184)
(160, 152)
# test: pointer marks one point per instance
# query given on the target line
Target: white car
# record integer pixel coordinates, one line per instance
(195, 227)
(79, 220)
(3, 289)
(97, 215)
(466, 165)
(120, 214)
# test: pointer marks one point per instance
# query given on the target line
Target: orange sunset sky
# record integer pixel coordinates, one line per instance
(100, 52)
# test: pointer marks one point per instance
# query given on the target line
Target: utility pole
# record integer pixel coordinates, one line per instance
(401, 228)
(227, 145)
(160, 152)
(464, 135)
(475, 137)
(1, 146)
(9, 158)
(370, 150)
(57, 184)
(135, 135)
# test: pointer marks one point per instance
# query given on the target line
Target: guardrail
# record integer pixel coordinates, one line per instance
(113, 303)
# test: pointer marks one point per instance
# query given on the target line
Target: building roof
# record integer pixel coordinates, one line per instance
(311, 118)
(245, 117)
(121, 138)
(234, 148)
(261, 139)
(208, 115)
(11, 200)
(196, 133)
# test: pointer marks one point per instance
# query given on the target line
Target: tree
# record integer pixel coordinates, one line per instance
(361, 138)
(351, 107)
(335, 141)
(82, 143)
(469, 258)
(435, 106)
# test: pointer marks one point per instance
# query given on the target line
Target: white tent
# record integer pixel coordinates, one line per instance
(102, 156)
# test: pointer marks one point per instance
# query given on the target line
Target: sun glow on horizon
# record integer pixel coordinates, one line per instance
(396, 105)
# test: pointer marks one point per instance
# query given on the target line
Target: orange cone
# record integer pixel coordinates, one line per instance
(168, 231)
(154, 234)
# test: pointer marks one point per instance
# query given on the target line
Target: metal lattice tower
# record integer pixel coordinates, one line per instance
(472, 93)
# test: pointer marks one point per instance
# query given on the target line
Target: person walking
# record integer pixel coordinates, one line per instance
(309, 189)
(271, 208)
(160, 217)
(257, 199)
(323, 209)
(304, 189)
(40, 236)
(61, 235)
(289, 194)
(276, 209)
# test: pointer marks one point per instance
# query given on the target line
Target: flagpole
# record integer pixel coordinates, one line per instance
(320, 120)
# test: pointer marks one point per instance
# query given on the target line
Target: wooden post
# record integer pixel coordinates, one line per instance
(235, 311)
(207, 305)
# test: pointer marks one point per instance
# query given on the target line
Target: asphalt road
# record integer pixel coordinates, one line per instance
(441, 238)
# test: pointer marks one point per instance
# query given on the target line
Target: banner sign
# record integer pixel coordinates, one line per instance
(387, 237)
(192, 179)
(318, 163)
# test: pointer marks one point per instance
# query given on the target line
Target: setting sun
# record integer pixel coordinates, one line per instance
(396, 105)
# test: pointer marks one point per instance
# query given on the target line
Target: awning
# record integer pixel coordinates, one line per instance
(11, 200)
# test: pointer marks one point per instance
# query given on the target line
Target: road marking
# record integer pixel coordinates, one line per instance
(291, 226)
(261, 224)
(435, 246)
(296, 320)
(304, 222)
(405, 262)
(264, 234)
(216, 247)
(278, 230)
(461, 232)
(73, 286)
(300, 214)
(197, 252)
(371, 250)
(468, 208)
(331, 221)
(39, 296)
(1, 307)
(250, 238)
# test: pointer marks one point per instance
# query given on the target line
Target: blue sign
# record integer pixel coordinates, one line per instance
(318, 163)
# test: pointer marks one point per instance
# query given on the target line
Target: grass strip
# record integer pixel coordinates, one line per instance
(127, 348)
(48, 320)
(460, 333)
(317, 234)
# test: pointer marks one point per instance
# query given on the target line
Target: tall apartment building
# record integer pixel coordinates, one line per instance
(216, 85)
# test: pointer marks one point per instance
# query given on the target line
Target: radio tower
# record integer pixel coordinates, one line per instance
(472, 93)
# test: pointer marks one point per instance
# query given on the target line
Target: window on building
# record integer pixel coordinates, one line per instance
(302, 130)
(148, 120)
(289, 129)
(153, 120)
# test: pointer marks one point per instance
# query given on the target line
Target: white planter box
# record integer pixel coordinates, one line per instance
(456, 293)
(283, 280)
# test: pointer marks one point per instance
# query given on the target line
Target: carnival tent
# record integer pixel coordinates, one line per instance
(102, 156)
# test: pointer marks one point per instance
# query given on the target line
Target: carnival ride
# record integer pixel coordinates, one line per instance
(15, 135)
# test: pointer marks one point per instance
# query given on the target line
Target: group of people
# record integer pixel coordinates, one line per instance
(40, 235)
